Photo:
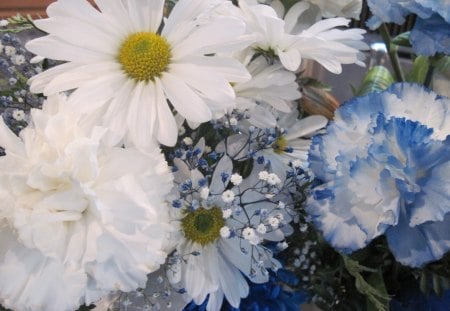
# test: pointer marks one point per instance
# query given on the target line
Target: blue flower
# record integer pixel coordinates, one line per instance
(265, 297)
(431, 33)
(383, 168)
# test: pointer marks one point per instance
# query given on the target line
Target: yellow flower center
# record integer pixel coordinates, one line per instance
(203, 225)
(280, 145)
(144, 56)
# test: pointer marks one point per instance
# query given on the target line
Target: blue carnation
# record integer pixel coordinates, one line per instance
(384, 168)
(431, 33)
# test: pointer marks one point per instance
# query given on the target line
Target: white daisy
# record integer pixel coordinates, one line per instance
(292, 39)
(130, 64)
(292, 142)
(78, 219)
(218, 247)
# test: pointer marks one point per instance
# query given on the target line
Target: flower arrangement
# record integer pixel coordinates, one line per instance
(170, 155)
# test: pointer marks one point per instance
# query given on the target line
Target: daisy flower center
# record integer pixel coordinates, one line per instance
(280, 145)
(203, 225)
(144, 56)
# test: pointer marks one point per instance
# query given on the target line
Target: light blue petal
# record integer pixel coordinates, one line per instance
(416, 246)
(430, 36)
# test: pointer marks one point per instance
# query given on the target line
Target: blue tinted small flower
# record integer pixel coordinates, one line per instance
(176, 203)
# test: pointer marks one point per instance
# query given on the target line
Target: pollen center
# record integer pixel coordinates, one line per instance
(203, 225)
(280, 145)
(144, 56)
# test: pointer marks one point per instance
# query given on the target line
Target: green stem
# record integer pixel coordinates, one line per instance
(392, 52)
(429, 76)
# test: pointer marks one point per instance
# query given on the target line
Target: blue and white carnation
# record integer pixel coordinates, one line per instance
(430, 34)
(383, 168)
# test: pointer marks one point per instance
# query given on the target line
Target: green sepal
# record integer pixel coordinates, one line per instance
(402, 39)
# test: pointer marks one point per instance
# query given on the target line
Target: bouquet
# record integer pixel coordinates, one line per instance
(175, 155)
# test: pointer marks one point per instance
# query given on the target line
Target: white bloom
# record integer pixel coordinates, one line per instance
(274, 222)
(204, 193)
(281, 205)
(4, 23)
(226, 213)
(263, 175)
(18, 115)
(187, 141)
(233, 121)
(293, 40)
(117, 58)
(10, 50)
(296, 163)
(228, 196)
(18, 60)
(282, 245)
(225, 232)
(78, 219)
(236, 179)
(273, 179)
(261, 228)
(250, 235)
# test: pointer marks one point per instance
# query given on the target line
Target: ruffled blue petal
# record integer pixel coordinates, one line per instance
(431, 32)
(416, 246)
(430, 36)
(383, 173)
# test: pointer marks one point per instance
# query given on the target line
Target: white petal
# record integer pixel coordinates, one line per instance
(290, 59)
(167, 127)
(184, 99)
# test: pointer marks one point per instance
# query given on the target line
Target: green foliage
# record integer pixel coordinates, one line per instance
(376, 292)
(441, 63)
(19, 23)
(435, 277)
(419, 71)
(376, 79)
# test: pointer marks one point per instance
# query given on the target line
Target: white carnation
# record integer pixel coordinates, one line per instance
(78, 219)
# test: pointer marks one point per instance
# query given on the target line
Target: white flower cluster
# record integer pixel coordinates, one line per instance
(85, 186)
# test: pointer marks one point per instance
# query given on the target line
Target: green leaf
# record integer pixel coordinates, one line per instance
(377, 79)
(378, 298)
(402, 39)
(419, 70)
(377, 281)
(441, 62)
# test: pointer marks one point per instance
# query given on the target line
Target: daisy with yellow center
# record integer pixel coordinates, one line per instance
(130, 71)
